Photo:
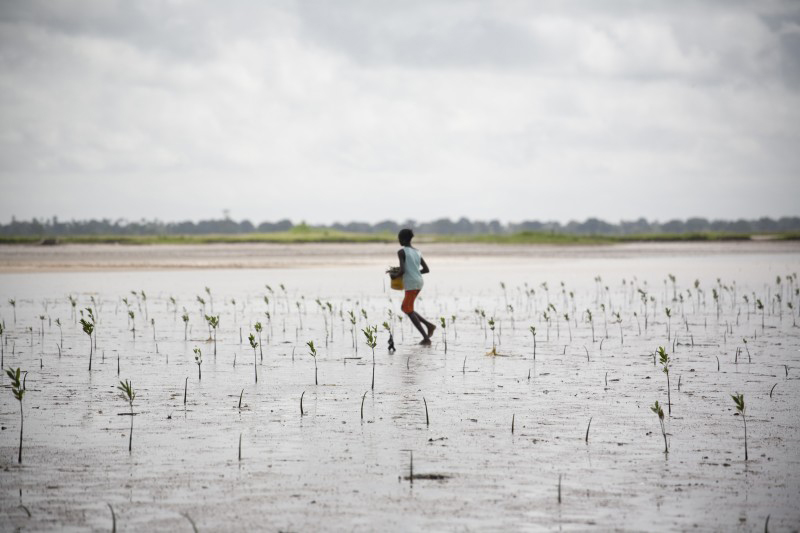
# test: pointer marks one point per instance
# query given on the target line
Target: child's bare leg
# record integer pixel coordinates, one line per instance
(430, 326)
(415, 320)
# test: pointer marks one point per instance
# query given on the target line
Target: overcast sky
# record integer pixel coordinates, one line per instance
(366, 110)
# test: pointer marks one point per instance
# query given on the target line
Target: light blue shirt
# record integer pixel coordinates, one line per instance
(412, 277)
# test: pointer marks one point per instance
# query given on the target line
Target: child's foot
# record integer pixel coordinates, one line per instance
(431, 328)
(425, 342)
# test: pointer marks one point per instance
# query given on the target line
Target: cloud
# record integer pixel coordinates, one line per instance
(371, 110)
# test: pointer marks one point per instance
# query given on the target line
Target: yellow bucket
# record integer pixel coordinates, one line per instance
(397, 284)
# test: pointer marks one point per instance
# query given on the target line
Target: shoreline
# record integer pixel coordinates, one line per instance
(119, 257)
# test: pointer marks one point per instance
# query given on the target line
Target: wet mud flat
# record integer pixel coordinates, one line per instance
(329, 468)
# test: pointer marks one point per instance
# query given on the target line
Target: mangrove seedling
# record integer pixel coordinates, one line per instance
(257, 326)
(618, 320)
(370, 332)
(185, 318)
(391, 337)
(491, 327)
(254, 345)
(88, 328)
(760, 307)
(663, 358)
(60, 332)
(591, 322)
(668, 312)
(353, 330)
(132, 318)
(198, 358)
(18, 390)
(128, 394)
(427, 420)
(301, 403)
(443, 322)
(738, 400)
(533, 332)
(312, 351)
(213, 323)
(13, 304)
(660, 413)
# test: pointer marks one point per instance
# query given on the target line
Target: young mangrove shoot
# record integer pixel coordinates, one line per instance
(660, 413)
(128, 394)
(198, 358)
(738, 400)
(663, 358)
(88, 328)
(254, 345)
(312, 351)
(18, 390)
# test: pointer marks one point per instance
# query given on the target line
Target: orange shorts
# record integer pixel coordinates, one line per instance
(408, 301)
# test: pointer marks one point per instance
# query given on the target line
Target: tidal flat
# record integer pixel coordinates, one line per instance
(226, 453)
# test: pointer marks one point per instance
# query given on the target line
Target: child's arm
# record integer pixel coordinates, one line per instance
(425, 268)
(401, 254)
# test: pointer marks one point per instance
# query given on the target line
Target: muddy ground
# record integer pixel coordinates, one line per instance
(328, 469)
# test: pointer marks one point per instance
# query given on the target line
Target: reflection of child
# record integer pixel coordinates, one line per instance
(410, 262)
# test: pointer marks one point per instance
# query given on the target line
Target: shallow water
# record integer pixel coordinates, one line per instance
(328, 469)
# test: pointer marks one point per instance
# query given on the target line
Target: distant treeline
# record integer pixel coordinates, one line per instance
(53, 227)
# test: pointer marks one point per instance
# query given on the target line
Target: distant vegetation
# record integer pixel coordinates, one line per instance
(463, 230)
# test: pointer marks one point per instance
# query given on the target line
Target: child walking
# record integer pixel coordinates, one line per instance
(410, 262)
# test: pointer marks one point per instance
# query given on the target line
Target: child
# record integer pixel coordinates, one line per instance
(410, 262)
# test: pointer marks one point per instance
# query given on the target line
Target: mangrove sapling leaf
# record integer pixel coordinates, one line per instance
(253, 344)
(738, 400)
(312, 351)
(128, 394)
(88, 328)
(18, 390)
(663, 358)
(660, 413)
(198, 358)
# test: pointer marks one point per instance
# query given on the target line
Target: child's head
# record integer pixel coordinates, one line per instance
(404, 236)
